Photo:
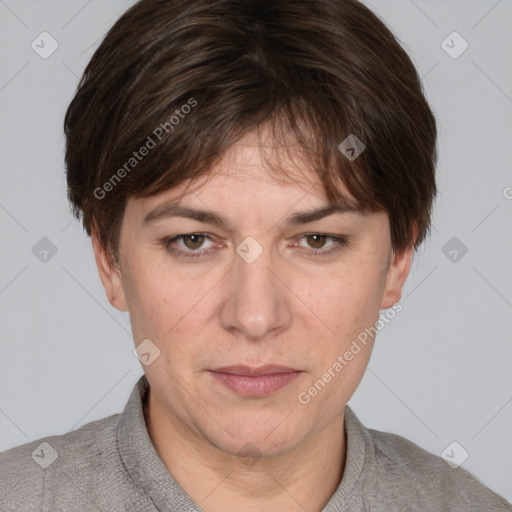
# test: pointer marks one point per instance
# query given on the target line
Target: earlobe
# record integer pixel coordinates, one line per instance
(110, 274)
(398, 271)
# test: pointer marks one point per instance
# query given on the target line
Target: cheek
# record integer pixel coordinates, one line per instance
(347, 300)
(166, 312)
(165, 307)
(148, 296)
(348, 303)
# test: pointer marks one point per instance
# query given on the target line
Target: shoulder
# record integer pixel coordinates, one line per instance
(29, 470)
(422, 477)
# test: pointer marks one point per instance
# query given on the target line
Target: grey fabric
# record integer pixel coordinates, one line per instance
(111, 465)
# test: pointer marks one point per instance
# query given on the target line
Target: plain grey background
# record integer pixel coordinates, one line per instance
(441, 370)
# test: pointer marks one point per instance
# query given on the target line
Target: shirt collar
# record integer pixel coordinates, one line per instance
(141, 459)
(147, 470)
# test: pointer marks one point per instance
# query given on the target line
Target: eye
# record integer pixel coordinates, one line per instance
(316, 240)
(193, 241)
(322, 244)
(196, 245)
(189, 245)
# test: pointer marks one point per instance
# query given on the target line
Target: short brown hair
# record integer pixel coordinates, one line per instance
(186, 80)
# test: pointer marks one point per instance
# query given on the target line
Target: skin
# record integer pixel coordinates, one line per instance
(292, 306)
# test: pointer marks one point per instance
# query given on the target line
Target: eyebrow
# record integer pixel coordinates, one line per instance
(171, 209)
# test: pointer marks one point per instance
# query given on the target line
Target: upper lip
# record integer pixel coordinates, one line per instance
(268, 369)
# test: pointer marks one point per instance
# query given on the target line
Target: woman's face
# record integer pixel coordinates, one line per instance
(249, 297)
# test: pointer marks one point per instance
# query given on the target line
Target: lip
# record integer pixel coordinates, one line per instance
(267, 369)
(255, 380)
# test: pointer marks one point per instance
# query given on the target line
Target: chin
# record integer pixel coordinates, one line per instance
(255, 434)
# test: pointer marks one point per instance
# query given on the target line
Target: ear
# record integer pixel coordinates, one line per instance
(110, 273)
(398, 271)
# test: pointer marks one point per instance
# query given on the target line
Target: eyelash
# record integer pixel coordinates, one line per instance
(339, 242)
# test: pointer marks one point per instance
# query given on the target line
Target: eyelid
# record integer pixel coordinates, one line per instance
(167, 241)
(339, 242)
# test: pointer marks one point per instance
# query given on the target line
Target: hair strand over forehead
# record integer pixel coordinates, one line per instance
(188, 80)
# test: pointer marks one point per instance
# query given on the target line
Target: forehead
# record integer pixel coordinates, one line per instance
(254, 169)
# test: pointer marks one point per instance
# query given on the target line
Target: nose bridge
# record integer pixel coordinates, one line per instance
(257, 304)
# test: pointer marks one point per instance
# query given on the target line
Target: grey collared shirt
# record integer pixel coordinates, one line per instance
(111, 465)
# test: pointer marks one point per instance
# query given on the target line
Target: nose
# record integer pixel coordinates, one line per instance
(257, 303)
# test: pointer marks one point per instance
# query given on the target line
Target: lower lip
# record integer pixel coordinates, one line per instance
(255, 385)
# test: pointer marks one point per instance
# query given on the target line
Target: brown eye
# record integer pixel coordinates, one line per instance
(316, 241)
(193, 241)
(191, 245)
(320, 244)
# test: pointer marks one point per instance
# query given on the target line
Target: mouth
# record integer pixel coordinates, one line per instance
(255, 381)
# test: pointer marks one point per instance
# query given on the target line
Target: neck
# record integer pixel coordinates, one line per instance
(302, 479)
